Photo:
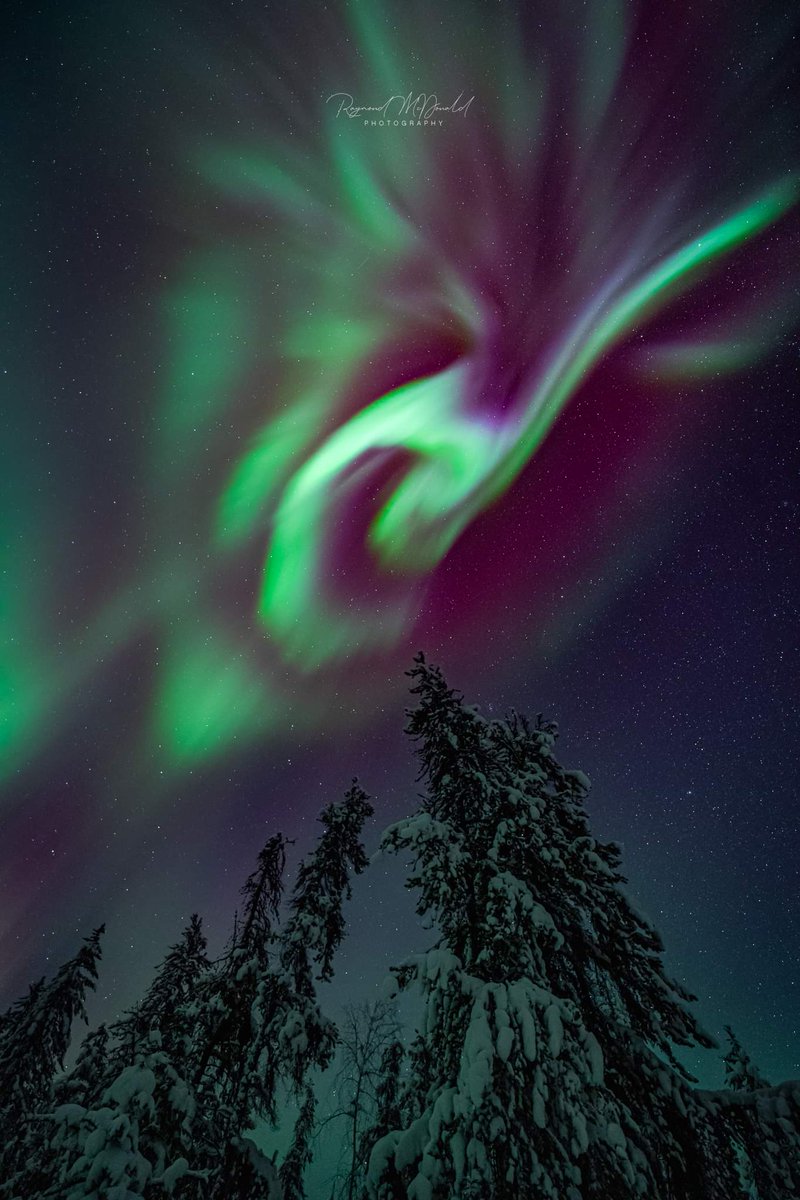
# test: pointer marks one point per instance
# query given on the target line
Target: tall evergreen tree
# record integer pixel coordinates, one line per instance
(123, 1116)
(293, 1167)
(315, 927)
(124, 1143)
(125, 1113)
(311, 936)
(270, 1031)
(169, 1001)
(168, 1006)
(761, 1124)
(227, 997)
(34, 1038)
(81, 1084)
(36, 1032)
(546, 1065)
(741, 1074)
(389, 1109)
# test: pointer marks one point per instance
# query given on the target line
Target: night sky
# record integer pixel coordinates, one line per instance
(231, 512)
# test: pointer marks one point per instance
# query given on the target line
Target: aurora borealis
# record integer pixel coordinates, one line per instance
(288, 395)
(462, 465)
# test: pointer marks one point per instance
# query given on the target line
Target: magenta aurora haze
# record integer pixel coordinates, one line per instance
(296, 388)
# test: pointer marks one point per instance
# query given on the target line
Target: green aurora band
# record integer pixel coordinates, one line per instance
(461, 465)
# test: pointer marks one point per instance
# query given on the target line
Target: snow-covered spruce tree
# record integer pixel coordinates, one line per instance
(35, 1032)
(264, 1028)
(222, 1016)
(299, 1155)
(53, 1139)
(226, 994)
(545, 1064)
(123, 1117)
(388, 1104)
(169, 1003)
(761, 1123)
(313, 933)
(765, 1124)
(609, 965)
(81, 1084)
(124, 1144)
(164, 1020)
(741, 1073)
(34, 1038)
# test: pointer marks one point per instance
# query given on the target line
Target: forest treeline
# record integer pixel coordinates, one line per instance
(545, 1066)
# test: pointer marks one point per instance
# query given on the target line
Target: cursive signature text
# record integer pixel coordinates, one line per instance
(422, 107)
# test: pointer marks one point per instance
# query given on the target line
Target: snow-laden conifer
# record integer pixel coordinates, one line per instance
(34, 1037)
(545, 1066)
(293, 1167)
(741, 1073)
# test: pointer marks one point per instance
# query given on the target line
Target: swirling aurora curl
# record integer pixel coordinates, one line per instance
(461, 464)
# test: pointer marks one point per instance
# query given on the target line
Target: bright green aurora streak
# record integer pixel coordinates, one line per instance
(461, 464)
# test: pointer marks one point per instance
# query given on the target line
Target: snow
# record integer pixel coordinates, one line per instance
(505, 1043)
(521, 1001)
(594, 1054)
(555, 1030)
(173, 1174)
(538, 1100)
(133, 1088)
(614, 1136)
(410, 1144)
(383, 1152)
(478, 1053)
